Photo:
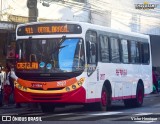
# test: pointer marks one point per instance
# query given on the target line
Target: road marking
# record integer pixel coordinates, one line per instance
(106, 113)
(11, 114)
(143, 114)
(54, 115)
(90, 115)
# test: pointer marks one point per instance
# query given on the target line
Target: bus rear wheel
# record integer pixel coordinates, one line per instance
(47, 107)
(138, 101)
(139, 95)
(103, 105)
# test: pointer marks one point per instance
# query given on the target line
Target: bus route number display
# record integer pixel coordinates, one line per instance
(40, 29)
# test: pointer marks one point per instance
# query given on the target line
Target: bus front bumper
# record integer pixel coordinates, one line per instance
(76, 96)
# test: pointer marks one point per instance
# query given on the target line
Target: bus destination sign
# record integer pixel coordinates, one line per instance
(49, 28)
(27, 65)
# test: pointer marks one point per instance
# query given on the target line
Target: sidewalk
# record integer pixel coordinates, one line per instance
(11, 108)
(153, 95)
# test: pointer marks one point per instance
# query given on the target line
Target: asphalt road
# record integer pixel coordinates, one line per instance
(148, 113)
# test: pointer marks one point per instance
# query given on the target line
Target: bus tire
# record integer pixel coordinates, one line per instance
(47, 107)
(139, 95)
(103, 105)
(138, 101)
(105, 100)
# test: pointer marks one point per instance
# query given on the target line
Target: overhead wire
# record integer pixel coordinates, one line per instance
(94, 11)
(106, 4)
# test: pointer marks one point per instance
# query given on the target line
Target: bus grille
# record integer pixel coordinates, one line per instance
(46, 97)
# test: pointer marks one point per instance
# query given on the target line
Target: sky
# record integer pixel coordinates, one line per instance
(18, 7)
(123, 13)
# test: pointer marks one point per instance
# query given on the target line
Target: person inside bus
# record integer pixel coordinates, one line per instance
(79, 59)
(92, 54)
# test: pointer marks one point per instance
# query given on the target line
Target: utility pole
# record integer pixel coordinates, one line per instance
(32, 10)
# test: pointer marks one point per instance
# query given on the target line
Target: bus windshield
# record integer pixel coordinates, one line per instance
(50, 55)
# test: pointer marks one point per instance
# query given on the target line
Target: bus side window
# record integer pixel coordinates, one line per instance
(138, 55)
(115, 50)
(145, 53)
(133, 51)
(104, 48)
(125, 51)
(91, 37)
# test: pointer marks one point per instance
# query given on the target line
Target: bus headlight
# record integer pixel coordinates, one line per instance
(19, 86)
(24, 89)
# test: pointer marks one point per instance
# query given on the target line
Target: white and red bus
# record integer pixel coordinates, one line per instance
(80, 63)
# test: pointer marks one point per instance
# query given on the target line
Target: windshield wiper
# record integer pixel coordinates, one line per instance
(58, 46)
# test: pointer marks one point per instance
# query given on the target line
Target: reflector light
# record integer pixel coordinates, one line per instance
(67, 89)
(80, 83)
(73, 86)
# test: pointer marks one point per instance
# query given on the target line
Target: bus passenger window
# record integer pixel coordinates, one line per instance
(91, 37)
(135, 52)
(115, 50)
(145, 53)
(138, 60)
(104, 48)
(124, 44)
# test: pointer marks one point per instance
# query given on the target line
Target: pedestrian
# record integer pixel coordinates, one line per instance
(1, 92)
(13, 77)
(2, 79)
(155, 82)
(7, 90)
